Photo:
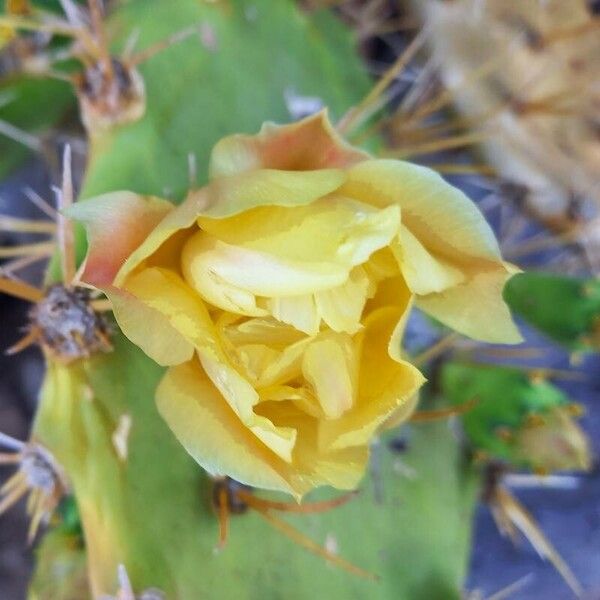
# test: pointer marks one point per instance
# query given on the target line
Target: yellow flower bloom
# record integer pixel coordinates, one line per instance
(278, 295)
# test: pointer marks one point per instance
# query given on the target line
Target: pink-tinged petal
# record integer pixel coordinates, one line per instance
(311, 143)
(116, 224)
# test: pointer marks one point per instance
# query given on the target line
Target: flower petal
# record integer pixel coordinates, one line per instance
(333, 229)
(448, 253)
(311, 143)
(440, 216)
(222, 273)
(312, 467)
(212, 433)
(299, 311)
(149, 329)
(165, 292)
(424, 273)
(116, 225)
(341, 307)
(475, 308)
(384, 385)
(330, 366)
(232, 195)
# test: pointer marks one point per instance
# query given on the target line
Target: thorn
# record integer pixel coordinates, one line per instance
(15, 224)
(11, 443)
(73, 13)
(309, 507)
(154, 49)
(436, 349)
(308, 544)
(518, 516)
(358, 114)
(37, 249)
(125, 589)
(66, 239)
(223, 518)
(192, 170)
(20, 289)
(30, 338)
(40, 203)
(22, 137)
(120, 436)
(425, 416)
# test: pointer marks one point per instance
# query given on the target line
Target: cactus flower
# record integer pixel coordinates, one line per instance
(277, 295)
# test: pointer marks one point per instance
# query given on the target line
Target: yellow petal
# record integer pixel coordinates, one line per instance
(424, 273)
(402, 414)
(330, 366)
(440, 216)
(341, 307)
(165, 292)
(212, 433)
(384, 384)
(287, 255)
(333, 229)
(448, 253)
(149, 329)
(224, 274)
(311, 143)
(259, 331)
(299, 311)
(312, 467)
(475, 308)
(232, 195)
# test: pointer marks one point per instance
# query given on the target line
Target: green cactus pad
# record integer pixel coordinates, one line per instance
(566, 309)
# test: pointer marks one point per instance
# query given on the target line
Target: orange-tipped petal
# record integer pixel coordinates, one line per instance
(311, 143)
(116, 224)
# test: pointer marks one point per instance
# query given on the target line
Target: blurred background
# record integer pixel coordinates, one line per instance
(502, 97)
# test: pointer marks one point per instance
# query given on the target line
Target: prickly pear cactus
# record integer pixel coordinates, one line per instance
(566, 309)
(517, 417)
(143, 504)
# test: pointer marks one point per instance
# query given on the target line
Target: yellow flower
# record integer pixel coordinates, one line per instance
(278, 295)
